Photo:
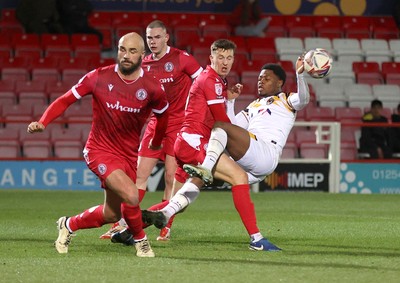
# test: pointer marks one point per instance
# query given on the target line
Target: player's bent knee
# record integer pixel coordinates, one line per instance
(240, 178)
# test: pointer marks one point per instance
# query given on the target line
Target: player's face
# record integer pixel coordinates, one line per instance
(157, 39)
(221, 61)
(268, 83)
(129, 58)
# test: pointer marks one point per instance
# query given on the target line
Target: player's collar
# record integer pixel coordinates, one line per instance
(168, 49)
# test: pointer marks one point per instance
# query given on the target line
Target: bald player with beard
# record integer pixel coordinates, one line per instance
(123, 97)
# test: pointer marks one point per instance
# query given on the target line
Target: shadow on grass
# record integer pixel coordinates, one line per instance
(263, 262)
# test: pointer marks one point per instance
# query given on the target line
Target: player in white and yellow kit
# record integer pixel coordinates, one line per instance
(267, 121)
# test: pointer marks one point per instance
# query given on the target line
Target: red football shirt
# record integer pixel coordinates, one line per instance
(120, 108)
(208, 89)
(175, 70)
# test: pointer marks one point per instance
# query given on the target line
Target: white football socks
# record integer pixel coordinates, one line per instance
(215, 148)
(185, 196)
(256, 237)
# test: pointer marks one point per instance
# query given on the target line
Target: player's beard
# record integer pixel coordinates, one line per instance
(130, 70)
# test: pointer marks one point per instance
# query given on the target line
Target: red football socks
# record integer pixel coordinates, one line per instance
(90, 218)
(245, 207)
(133, 217)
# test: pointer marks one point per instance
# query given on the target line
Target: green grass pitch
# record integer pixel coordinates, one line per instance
(324, 237)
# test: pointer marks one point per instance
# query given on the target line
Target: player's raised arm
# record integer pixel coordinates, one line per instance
(300, 99)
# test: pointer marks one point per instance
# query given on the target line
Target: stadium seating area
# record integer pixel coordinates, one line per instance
(36, 69)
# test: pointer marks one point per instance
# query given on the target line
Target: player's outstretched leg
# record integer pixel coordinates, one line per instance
(156, 218)
(123, 236)
(263, 245)
(64, 236)
(200, 172)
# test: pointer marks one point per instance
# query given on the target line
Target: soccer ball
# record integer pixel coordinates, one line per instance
(318, 63)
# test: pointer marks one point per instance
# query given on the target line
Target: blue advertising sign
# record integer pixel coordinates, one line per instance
(47, 175)
(370, 178)
(60, 175)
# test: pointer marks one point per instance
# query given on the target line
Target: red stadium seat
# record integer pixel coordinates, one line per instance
(37, 149)
(300, 26)
(276, 27)
(38, 110)
(85, 45)
(391, 72)
(348, 151)
(211, 19)
(353, 114)
(320, 114)
(9, 134)
(310, 150)
(7, 98)
(367, 73)
(262, 48)
(57, 88)
(249, 80)
(7, 93)
(202, 56)
(185, 36)
(68, 149)
(384, 27)
(356, 27)
(30, 86)
(123, 29)
(366, 67)
(27, 45)
(33, 98)
(16, 69)
(148, 17)
(9, 148)
(289, 151)
(184, 19)
(216, 31)
(59, 134)
(328, 26)
(16, 110)
(303, 136)
(126, 18)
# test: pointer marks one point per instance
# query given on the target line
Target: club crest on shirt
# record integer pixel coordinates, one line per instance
(218, 88)
(102, 168)
(169, 67)
(270, 100)
(141, 94)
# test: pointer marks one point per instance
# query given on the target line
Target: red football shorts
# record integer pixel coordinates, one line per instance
(189, 149)
(103, 164)
(167, 143)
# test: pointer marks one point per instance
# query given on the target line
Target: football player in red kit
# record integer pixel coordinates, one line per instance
(176, 70)
(123, 97)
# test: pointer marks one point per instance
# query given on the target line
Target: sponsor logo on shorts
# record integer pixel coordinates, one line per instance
(102, 168)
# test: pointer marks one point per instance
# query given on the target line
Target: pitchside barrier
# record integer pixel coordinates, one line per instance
(309, 174)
